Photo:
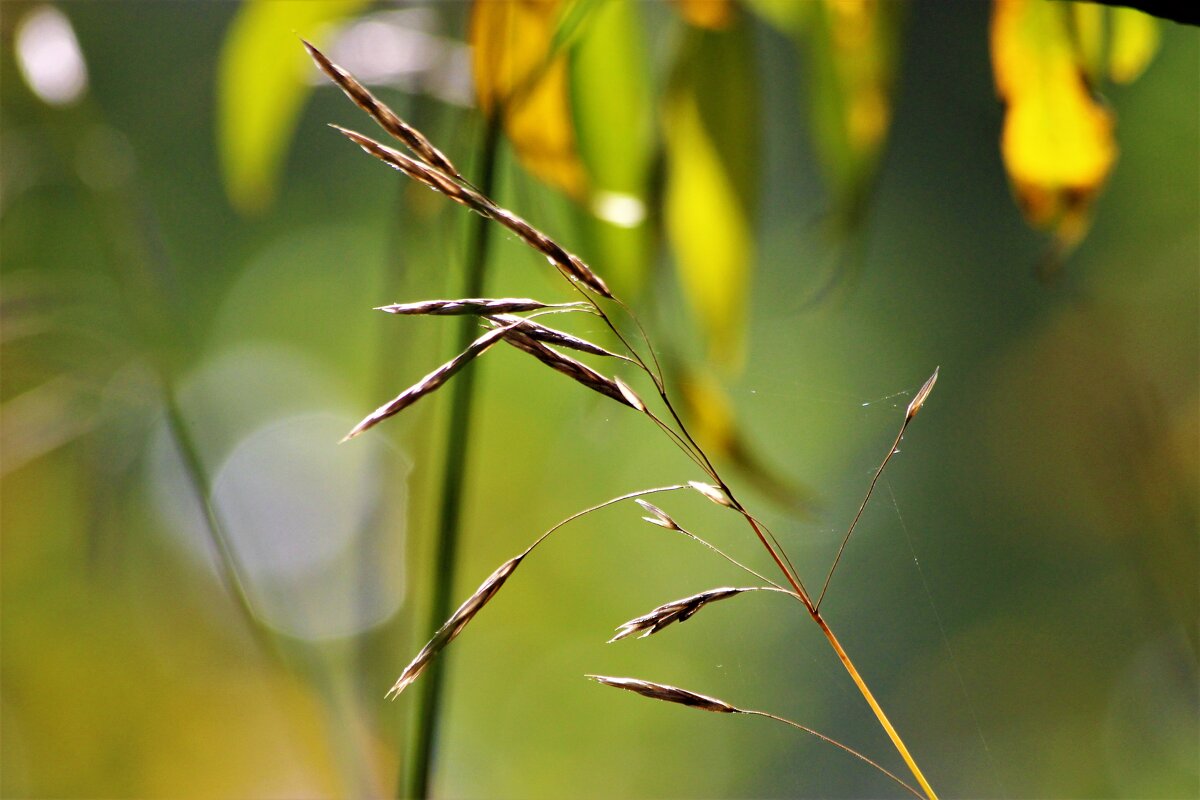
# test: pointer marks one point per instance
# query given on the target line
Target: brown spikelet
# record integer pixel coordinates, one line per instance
(417, 170)
(412, 138)
(429, 384)
(568, 366)
(453, 626)
(571, 265)
(658, 517)
(921, 396)
(670, 694)
(630, 395)
(548, 335)
(471, 305)
(714, 493)
(675, 611)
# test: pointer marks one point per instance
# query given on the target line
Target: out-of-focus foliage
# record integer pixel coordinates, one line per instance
(711, 135)
(854, 51)
(262, 87)
(612, 102)
(712, 14)
(520, 75)
(1135, 39)
(1058, 141)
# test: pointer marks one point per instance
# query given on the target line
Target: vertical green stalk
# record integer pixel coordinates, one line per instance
(418, 767)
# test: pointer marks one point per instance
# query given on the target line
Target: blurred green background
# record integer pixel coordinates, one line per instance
(1021, 594)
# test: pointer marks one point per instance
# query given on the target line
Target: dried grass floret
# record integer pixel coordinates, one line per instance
(412, 138)
(675, 611)
(576, 370)
(670, 694)
(479, 306)
(429, 384)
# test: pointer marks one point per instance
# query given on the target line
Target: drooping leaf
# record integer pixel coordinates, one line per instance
(711, 127)
(613, 112)
(261, 87)
(854, 53)
(1057, 141)
(521, 73)
(1133, 41)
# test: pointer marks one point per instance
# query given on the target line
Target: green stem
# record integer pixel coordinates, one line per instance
(419, 765)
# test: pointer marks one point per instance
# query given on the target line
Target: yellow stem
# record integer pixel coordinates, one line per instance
(879, 715)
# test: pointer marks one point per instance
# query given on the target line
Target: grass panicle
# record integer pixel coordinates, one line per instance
(430, 167)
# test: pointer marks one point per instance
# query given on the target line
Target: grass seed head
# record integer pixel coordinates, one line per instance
(674, 611)
(453, 626)
(713, 493)
(670, 694)
(468, 305)
(921, 396)
(412, 138)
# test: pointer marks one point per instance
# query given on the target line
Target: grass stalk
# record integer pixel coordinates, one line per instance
(417, 769)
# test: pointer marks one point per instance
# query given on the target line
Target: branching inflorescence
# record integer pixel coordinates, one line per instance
(504, 325)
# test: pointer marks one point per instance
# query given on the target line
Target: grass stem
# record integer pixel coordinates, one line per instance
(418, 767)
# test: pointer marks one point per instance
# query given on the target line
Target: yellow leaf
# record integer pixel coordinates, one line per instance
(261, 86)
(1057, 141)
(519, 76)
(710, 122)
(1134, 41)
(712, 14)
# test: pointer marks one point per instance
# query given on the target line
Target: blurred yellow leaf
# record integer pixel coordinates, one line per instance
(261, 87)
(610, 87)
(854, 51)
(711, 135)
(712, 14)
(1133, 42)
(518, 74)
(1057, 140)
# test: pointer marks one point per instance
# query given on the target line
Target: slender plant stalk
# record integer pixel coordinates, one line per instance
(418, 767)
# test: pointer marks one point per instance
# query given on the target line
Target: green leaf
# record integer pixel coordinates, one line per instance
(711, 128)
(261, 88)
(1134, 41)
(611, 101)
